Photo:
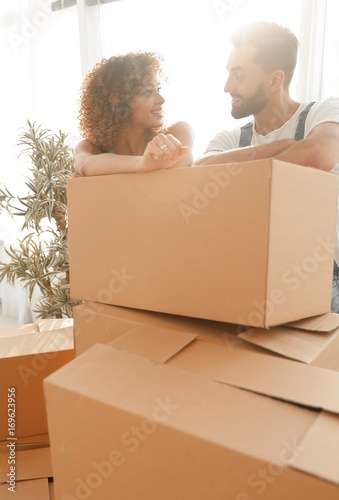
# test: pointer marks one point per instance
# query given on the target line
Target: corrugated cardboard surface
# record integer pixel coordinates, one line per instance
(36, 489)
(28, 443)
(284, 379)
(25, 360)
(29, 464)
(175, 434)
(33, 468)
(241, 243)
(314, 341)
(322, 443)
(101, 323)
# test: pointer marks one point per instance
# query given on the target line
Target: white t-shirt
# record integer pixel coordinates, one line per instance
(324, 110)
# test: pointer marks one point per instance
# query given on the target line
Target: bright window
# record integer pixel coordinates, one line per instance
(194, 38)
(330, 69)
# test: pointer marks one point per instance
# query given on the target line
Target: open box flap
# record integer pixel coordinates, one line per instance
(323, 323)
(280, 378)
(321, 446)
(304, 346)
(131, 384)
(156, 344)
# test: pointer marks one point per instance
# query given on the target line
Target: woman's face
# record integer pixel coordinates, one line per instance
(146, 107)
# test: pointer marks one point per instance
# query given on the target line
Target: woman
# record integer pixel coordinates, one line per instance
(122, 120)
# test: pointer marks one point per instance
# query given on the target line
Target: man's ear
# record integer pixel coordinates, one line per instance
(277, 80)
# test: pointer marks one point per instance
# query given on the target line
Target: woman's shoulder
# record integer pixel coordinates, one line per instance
(86, 146)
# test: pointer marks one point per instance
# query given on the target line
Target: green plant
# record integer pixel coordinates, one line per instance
(40, 258)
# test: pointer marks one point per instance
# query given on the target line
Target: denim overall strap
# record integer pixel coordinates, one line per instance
(300, 132)
(247, 130)
(246, 135)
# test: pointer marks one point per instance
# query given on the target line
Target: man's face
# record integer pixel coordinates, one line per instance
(247, 83)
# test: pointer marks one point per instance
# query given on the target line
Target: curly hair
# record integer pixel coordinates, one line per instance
(106, 92)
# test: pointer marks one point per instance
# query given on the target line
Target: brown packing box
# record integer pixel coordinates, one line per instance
(32, 489)
(155, 429)
(249, 243)
(29, 464)
(29, 478)
(27, 355)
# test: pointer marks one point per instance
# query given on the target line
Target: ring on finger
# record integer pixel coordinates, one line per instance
(163, 147)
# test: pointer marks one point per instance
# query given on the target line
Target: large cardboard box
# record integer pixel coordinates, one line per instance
(249, 243)
(152, 428)
(28, 353)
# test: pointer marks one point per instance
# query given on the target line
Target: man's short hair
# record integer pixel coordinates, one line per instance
(277, 47)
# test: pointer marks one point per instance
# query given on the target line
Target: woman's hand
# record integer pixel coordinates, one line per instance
(162, 152)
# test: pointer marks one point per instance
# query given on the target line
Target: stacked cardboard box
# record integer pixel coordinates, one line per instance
(169, 397)
(28, 353)
(248, 243)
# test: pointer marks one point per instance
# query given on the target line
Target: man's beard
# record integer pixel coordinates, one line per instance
(251, 105)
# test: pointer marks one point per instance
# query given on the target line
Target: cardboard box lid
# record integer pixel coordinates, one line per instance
(17, 330)
(322, 446)
(37, 343)
(29, 464)
(54, 324)
(280, 378)
(303, 340)
(36, 489)
(303, 387)
(227, 416)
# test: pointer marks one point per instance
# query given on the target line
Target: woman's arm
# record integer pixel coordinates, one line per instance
(163, 151)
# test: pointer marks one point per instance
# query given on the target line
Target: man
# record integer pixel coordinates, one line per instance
(260, 67)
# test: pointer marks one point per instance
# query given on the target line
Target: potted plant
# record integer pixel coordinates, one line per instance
(39, 258)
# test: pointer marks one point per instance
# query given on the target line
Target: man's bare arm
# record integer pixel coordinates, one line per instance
(320, 149)
(244, 154)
